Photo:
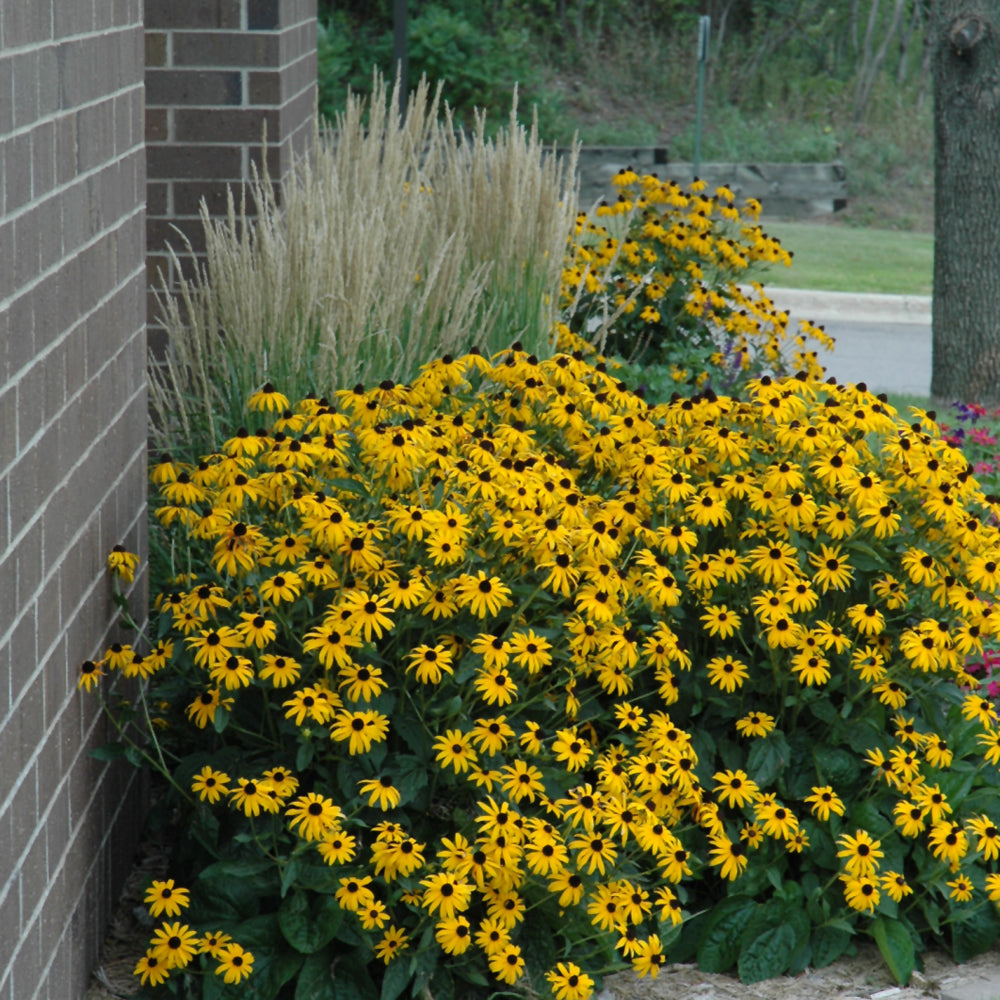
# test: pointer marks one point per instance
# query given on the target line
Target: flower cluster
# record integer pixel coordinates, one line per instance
(175, 946)
(654, 278)
(510, 671)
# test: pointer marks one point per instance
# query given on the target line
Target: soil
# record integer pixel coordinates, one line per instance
(861, 977)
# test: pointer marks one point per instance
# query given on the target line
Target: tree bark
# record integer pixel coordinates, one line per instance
(965, 35)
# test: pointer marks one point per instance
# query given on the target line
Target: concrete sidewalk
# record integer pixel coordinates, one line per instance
(851, 306)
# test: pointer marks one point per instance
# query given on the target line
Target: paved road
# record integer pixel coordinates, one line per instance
(887, 357)
(882, 340)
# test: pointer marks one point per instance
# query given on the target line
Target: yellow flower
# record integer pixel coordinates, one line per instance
(166, 899)
(824, 801)
(235, 964)
(122, 563)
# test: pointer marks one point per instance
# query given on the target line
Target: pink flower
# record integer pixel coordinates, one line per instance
(982, 436)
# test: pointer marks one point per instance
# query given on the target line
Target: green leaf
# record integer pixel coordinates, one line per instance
(309, 924)
(767, 955)
(397, 975)
(837, 767)
(828, 944)
(975, 934)
(220, 720)
(896, 946)
(768, 758)
(315, 979)
(351, 980)
(718, 948)
(273, 965)
(110, 751)
(304, 755)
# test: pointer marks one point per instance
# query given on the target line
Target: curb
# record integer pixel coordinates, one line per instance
(851, 306)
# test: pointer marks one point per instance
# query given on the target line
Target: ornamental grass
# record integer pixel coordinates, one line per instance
(504, 679)
(397, 239)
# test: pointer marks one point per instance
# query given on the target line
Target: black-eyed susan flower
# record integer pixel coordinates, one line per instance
(862, 892)
(720, 621)
(776, 820)
(267, 399)
(454, 934)
(860, 853)
(895, 886)
(445, 895)
(962, 889)
(521, 780)
(203, 709)
(823, 801)
(151, 969)
(359, 730)
(948, 842)
(213, 942)
(430, 663)
(755, 724)
(987, 836)
(166, 899)
(363, 682)
(397, 858)
(454, 749)
(235, 963)
(571, 749)
(123, 563)
(355, 893)
(279, 670)
(251, 796)
(312, 815)
(174, 944)
(530, 651)
(734, 788)
(649, 958)
(507, 964)
(209, 785)
(381, 792)
(90, 675)
(727, 673)
(495, 687)
(728, 856)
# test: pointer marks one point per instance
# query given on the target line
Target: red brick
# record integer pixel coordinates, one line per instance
(224, 48)
(156, 48)
(194, 162)
(264, 88)
(188, 196)
(192, 13)
(223, 124)
(169, 87)
(263, 15)
(157, 124)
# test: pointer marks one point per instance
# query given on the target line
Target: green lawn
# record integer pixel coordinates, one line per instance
(845, 259)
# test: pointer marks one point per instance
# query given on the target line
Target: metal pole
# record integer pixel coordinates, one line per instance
(704, 29)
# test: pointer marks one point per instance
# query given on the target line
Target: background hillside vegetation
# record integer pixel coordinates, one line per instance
(787, 80)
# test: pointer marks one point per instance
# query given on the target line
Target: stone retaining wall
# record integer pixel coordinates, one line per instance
(792, 190)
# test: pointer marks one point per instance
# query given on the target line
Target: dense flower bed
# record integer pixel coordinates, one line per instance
(507, 678)
(665, 275)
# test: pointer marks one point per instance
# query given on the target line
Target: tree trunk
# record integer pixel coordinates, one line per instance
(966, 312)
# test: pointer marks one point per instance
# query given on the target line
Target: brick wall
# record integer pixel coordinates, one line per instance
(217, 73)
(72, 465)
